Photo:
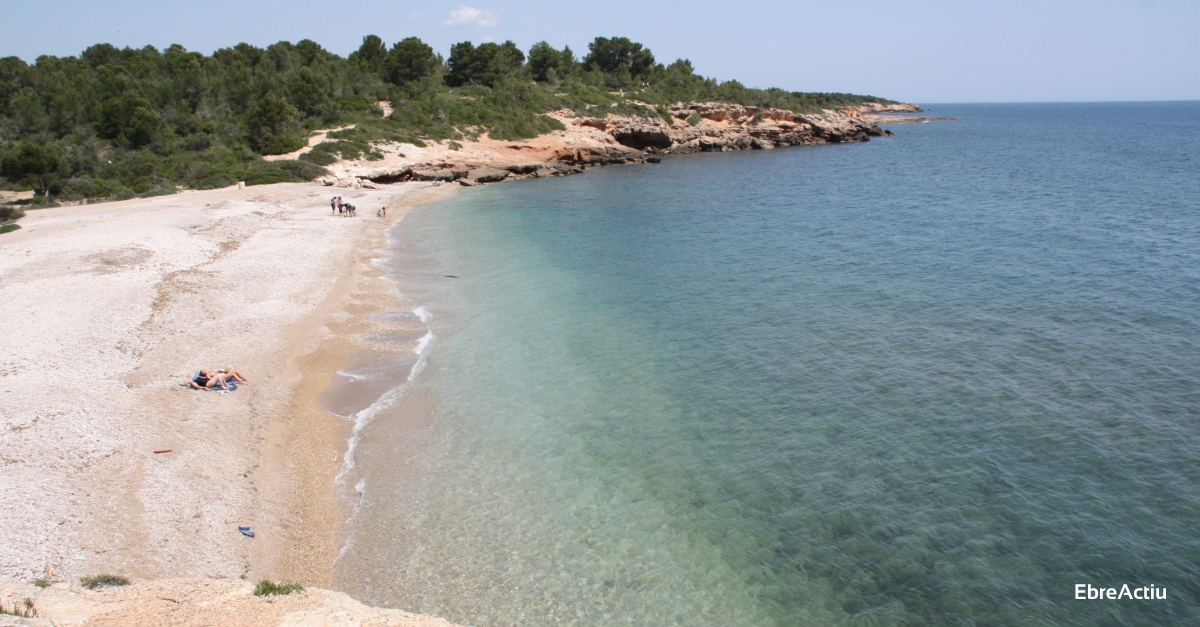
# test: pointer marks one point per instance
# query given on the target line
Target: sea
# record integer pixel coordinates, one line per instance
(945, 377)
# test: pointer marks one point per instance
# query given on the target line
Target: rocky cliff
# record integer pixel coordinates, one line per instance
(611, 139)
(717, 126)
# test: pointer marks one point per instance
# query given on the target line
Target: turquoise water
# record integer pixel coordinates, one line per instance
(935, 379)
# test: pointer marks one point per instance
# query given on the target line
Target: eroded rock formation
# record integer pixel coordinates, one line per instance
(615, 139)
(726, 126)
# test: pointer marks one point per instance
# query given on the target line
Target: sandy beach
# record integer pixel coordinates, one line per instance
(106, 308)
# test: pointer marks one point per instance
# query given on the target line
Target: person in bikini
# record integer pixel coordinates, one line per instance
(206, 380)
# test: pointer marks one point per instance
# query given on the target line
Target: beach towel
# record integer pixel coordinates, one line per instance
(232, 384)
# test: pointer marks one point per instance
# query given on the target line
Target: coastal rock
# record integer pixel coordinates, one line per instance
(608, 138)
(875, 108)
(444, 176)
(487, 175)
(600, 155)
(525, 168)
(388, 176)
(643, 137)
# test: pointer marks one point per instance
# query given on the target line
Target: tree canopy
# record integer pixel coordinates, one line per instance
(618, 54)
(115, 122)
(483, 65)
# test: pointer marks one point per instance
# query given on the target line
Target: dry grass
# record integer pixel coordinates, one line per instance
(20, 609)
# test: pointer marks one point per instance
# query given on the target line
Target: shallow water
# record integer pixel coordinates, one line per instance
(939, 378)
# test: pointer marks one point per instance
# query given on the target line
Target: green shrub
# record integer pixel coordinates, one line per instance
(694, 119)
(286, 171)
(196, 143)
(266, 587)
(8, 214)
(41, 583)
(103, 581)
(348, 149)
(38, 165)
(282, 144)
(78, 188)
(8, 228)
(319, 157)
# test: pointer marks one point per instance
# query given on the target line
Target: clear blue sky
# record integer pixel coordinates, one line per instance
(917, 51)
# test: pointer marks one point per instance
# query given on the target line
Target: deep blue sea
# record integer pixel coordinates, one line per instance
(939, 378)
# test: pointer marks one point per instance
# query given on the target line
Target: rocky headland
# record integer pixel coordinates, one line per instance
(594, 140)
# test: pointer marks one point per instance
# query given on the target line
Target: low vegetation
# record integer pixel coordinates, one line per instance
(20, 609)
(266, 587)
(116, 123)
(103, 581)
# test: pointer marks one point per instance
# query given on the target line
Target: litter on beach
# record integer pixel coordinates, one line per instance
(165, 450)
(246, 531)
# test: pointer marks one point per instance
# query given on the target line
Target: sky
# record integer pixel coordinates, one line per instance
(933, 51)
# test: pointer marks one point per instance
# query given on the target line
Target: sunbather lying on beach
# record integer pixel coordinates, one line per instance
(205, 380)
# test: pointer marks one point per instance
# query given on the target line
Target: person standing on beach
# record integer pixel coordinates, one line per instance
(333, 206)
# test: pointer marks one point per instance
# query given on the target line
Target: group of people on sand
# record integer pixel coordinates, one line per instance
(339, 207)
(345, 209)
(211, 380)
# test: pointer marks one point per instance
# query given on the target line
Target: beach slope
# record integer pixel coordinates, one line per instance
(109, 464)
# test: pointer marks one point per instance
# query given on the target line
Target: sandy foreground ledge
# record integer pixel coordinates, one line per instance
(105, 308)
(216, 603)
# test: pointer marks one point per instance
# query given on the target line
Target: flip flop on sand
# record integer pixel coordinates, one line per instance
(246, 532)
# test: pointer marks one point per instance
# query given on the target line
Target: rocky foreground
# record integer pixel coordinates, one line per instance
(615, 139)
(191, 602)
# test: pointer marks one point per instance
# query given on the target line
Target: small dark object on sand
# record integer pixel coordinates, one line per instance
(246, 532)
(449, 276)
(165, 450)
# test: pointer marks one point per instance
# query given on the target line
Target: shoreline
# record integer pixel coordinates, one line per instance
(305, 456)
(112, 467)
